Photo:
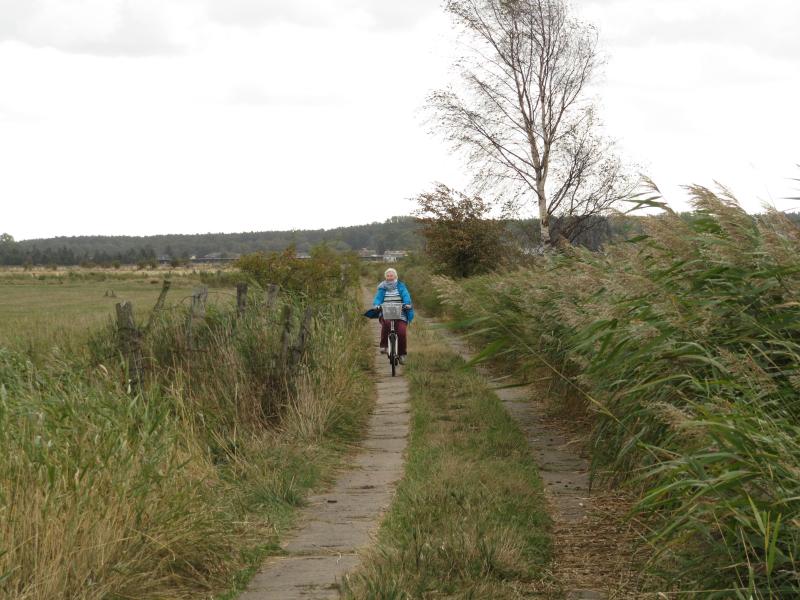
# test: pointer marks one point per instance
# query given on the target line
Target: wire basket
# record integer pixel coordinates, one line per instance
(392, 311)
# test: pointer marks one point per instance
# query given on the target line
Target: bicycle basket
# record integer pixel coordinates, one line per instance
(392, 311)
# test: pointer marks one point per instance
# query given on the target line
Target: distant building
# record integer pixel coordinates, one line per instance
(394, 255)
(388, 256)
(215, 257)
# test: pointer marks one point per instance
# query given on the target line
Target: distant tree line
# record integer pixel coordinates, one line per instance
(397, 233)
(22, 253)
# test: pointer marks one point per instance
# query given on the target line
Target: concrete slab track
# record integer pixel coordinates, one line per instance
(338, 524)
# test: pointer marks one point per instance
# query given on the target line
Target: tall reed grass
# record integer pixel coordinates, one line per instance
(684, 344)
(166, 494)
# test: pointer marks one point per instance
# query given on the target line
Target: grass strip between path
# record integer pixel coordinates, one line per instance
(469, 518)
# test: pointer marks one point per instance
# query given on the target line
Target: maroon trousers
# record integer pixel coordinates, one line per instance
(400, 328)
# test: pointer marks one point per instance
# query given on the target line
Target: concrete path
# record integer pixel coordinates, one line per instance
(340, 523)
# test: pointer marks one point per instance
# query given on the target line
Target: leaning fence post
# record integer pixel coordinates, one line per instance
(305, 332)
(197, 310)
(241, 298)
(272, 296)
(159, 303)
(130, 344)
(287, 330)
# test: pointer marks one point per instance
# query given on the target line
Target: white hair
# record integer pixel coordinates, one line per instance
(390, 270)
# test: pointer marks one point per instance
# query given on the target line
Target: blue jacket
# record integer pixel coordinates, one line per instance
(401, 287)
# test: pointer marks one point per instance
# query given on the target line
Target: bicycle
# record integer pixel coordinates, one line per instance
(392, 311)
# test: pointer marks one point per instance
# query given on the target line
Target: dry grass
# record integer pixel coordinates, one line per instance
(468, 520)
(598, 552)
(175, 493)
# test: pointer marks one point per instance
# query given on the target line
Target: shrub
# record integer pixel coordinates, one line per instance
(459, 236)
(150, 263)
(326, 273)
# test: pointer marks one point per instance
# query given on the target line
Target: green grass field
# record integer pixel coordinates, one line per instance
(36, 314)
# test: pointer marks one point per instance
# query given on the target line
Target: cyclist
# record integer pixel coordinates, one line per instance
(391, 289)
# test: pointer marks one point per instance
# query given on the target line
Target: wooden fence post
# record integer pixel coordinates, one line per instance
(302, 339)
(272, 296)
(197, 310)
(159, 303)
(241, 298)
(130, 342)
(287, 331)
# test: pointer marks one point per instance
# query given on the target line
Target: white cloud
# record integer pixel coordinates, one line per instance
(764, 26)
(699, 90)
(272, 127)
(238, 115)
(252, 13)
(399, 15)
(103, 27)
(253, 95)
(163, 27)
(378, 14)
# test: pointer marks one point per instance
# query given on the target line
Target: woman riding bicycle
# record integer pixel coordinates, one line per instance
(389, 291)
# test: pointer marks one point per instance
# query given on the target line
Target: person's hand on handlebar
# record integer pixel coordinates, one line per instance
(406, 307)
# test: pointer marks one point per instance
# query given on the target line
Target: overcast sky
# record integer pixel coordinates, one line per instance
(182, 116)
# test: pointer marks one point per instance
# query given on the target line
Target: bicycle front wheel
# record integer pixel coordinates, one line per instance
(393, 352)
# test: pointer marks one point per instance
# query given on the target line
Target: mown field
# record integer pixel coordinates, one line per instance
(37, 315)
(41, 308)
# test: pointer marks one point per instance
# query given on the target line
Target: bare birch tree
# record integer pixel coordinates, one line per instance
(523, 115)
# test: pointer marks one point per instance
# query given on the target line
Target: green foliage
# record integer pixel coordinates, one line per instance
(326, 273)
(415, 271)
(220, 278)
(178, 262)
(458, 234)
(148, 263)
(684, 343)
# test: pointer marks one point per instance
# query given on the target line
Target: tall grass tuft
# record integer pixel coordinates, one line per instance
(684, 345)
(166, 493)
